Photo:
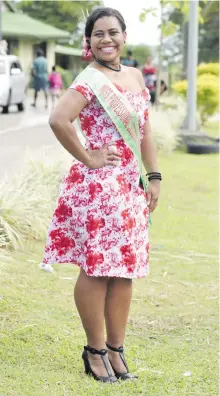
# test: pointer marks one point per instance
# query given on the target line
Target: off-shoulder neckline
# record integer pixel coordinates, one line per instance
(121, 89)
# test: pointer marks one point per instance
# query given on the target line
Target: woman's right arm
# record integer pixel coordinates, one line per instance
(61, 119)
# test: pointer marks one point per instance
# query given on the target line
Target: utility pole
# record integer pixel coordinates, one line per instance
(192, 66)
(190, 122)
(160, 57)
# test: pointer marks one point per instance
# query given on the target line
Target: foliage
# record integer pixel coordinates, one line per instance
(146, 11)
(27, 201)
(4, 255)
(208, 68)
(208, 29)
(207, 94)
(174, 311)
(209, 33)
(168, 28)
(61, 14)
(165, 123)
(67, 76)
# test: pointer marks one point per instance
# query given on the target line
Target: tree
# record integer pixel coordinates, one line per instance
(62, 14)
(208, 31)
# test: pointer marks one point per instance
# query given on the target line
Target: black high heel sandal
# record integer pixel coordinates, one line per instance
(122, 376)
(88, 370)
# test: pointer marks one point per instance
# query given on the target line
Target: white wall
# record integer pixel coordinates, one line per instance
(51, 54)
(26, 54)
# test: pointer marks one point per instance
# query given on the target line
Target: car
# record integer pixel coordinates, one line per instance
(13, 83)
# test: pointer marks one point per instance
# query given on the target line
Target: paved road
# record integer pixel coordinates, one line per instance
(19, 132)
(30, 117)
(14, 144)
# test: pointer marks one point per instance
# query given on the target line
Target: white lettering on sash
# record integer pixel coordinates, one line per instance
(116, 104)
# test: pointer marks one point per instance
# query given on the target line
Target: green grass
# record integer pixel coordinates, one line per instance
(173, 323)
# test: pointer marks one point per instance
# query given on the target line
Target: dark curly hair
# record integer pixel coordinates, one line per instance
(101, 12)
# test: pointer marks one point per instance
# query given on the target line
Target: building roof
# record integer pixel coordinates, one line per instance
(16, 24)
(60, 49)
(9, 6)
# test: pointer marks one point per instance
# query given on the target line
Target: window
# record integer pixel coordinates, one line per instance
(13, 46)
(16, 65)
(42, 45)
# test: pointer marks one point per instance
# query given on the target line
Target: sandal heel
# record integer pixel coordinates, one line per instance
(88, 370)
(122, 376)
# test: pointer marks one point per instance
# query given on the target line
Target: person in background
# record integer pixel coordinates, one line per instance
(163, 88)
(40, 74)
(129, 61)
(150, 78)
(56, 84)
(149, 73)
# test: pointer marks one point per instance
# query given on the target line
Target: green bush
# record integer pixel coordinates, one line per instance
(208, 68)
(66, 75)
(207, 94)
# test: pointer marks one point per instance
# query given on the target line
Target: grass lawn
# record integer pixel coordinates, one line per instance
(172, 337)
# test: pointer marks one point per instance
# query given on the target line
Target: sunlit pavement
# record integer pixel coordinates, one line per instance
(24, 132)
(30, 117)
(21, 132)
(15, 144)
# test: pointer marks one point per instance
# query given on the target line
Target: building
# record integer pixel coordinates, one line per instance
(25, 34)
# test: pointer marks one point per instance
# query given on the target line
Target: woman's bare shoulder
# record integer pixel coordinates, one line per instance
(135, 73)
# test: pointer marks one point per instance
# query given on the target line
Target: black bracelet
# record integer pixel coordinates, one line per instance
(154, 176)
(153, 173)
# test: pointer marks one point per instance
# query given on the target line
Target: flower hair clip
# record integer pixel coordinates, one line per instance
(86, 52)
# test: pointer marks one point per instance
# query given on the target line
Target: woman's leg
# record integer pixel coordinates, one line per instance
(117, 306)
(90, 294)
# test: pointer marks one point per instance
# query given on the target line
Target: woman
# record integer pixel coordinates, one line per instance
(149, 73)
(101, 219)
(150, 78)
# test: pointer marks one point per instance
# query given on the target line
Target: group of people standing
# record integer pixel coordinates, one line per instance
(51, 82)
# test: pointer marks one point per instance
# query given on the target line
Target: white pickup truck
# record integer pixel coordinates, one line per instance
(13, 83)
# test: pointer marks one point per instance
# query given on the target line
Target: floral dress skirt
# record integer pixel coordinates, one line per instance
(100, 222)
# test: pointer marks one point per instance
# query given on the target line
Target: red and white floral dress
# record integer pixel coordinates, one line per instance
(101, 218)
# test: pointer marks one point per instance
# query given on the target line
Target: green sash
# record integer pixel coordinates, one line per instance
(119, 110)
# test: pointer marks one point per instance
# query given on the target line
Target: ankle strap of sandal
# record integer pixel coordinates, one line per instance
(120, 349)
(94, 351)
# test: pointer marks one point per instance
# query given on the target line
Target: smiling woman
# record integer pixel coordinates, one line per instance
(106, 36)
(101, 219)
